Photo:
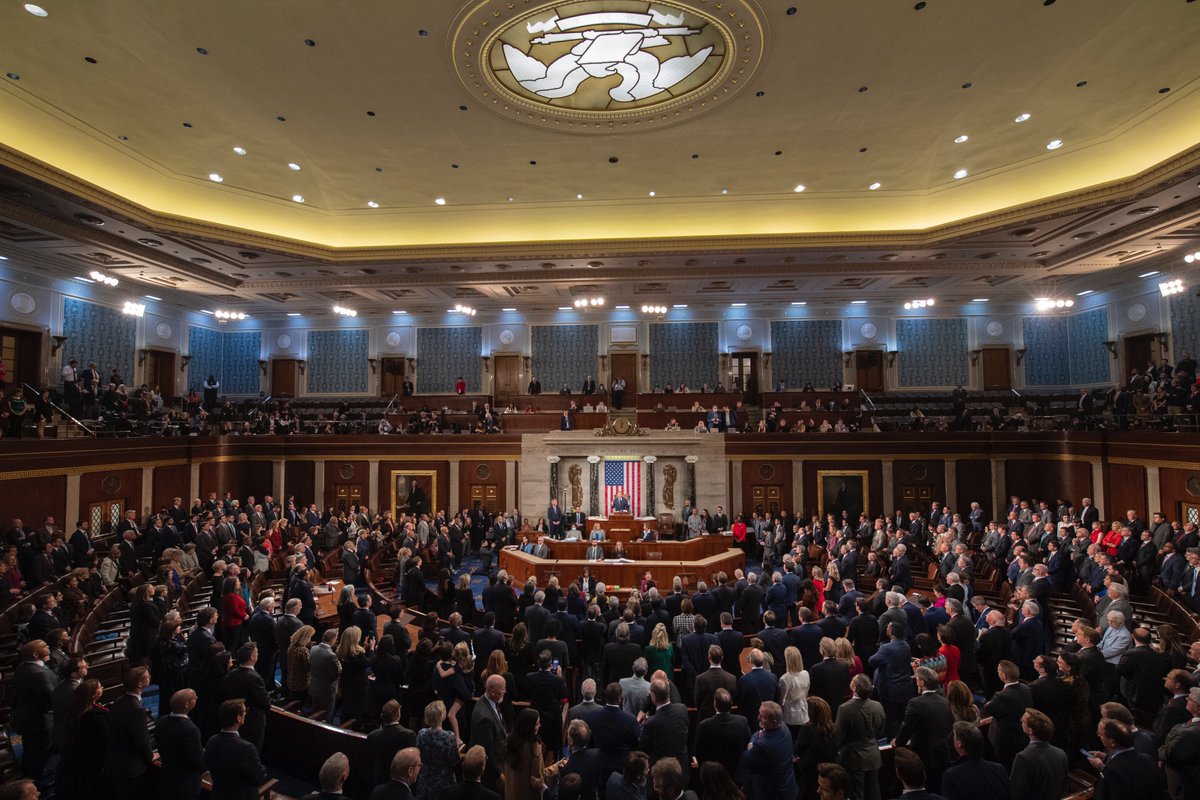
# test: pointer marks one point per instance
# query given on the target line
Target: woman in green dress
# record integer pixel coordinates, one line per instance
(660, 653)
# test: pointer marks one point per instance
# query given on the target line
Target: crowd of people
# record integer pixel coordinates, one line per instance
(834, 676)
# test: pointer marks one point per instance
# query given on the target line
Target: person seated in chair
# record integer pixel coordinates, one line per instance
(595, 551)
(648, 534)
(597, 535)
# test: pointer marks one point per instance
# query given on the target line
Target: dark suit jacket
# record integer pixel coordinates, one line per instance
(707, 683)
(755, 688)
(1005, 708)
(901, 574)
(722, 738)
(731, 641)
(458, 791)
(182, 756)
(859, 726)
(617, 661)
(830, 681)
(33, 689)
(665, 735)
(1039, 772)
(1170, 715)
(1028, 642)
(129, 752)
(614, 733)
(976, 779)
(925, 729)
(1130, 774)
(247, 685)
(588, 764)
(1142, 671)
(487, 730)
(234, 767)
(383, 744)
(395, 790)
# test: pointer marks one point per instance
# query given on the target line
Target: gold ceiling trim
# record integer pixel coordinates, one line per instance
(1181, 166)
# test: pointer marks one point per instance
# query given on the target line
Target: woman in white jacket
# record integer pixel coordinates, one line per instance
(793, 690)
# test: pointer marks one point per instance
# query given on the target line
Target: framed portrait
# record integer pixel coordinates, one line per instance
(843, 490)
(413, 491)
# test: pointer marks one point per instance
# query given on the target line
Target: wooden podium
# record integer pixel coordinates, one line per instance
(621, 526)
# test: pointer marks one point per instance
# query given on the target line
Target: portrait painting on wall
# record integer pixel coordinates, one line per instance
(413, 492)
(842, 493)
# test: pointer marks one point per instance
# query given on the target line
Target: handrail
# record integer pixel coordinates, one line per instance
(870, 402)
(60, 410)
(391, 403)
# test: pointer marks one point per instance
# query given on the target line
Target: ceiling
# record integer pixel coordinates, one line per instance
(116, 120)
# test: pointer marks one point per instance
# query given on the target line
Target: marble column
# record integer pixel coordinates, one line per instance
(73, 512)
(553, 476)
(649, 505)
(454, 489)
(319, 484)
(889, 488)
(999, 497)
(691, 474)
(147, 490)
(1153, 492)
(510, 484)
(373, 484)
(594, 486)
(952, 487)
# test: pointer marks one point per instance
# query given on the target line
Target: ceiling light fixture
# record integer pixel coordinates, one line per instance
(227, 315)
(36, 10)
(589, 302)
(1085, 292)
(1149, 274)
(738, 305)
(345, 312)
(294, 314)
(298, 198)
(1054, 144)
(241, 151)
(621, 308)
(399, 311)
(152, 297)
(1049, 304)
(799, 302)
(962, 173)
(679, 305)
(100, 277)
(654, 309)
(508, 309)
(565, 308)
(215, 177)
(875, 186)
(980, 300)
(800, 187)
(85, 280)
(439, 201)
(1022, 118)
(461, 309)
(1168, 288)
(858, 302)
(134, 309)
(961, 139)
(652, 194)
(1192, 258)
(292, 165)
(578, 197)
(372, 204)
(912, 304)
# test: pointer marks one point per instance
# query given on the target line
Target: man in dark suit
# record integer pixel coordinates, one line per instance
(767, 764)
(617, 661)
(1125, 772)
(384, 742)
(1039, 771)
(807, 637)
(863, 631)
(301, 590)
(1006, 709)
(179, 749)
(1142, 671)
(584, 762)
(860, 724)
(755, 688)
(901, 570)
(232, 762)
(830, 678)
(963, 631)
(548, 694)
(244, 683)
(731, 641)
(262, 631)
(775, 641)
(709, 681)
(474, 763)
(665, 735)
(285, 626)
(128, 754)
(970, 777)
(926, 727)
(694, 653)
(554, 514)
(488, 729)
(995, 645)
(722, 737)
(1180, 752)
(614, 731)
(1028, 640)
(33, 707)
(893, 676)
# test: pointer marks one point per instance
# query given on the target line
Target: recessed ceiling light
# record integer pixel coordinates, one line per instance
(1085, 293)
(215, 177)
(3, 258)
(36, 10)
(799, 303)
(800, 187)
(241, 151)
(439, 201)
(206, 311)
(724, 191)
(679, 305)
(961, 139)
(565, 308)
(858, 302)
(1054, 144)
(738, 305)
(85, 280)
(372, 204)
(578, 197)
(299, 198)
(875, 186)
(152, 297)
(621, 308)
(292, 165)
(293, 313)
(652, 194)
(399, 312)
(1148, 274)
(508, 309)
(980, 300)
(1022, 117)
(962, 173)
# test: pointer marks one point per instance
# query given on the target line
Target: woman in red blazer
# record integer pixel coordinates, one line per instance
(233, 614)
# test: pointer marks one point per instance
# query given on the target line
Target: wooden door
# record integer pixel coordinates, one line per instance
(744, 369)
(508, 375)
(160, 372)
(283, 377)
(766, 499)
(997, 369)
(486, 495)
(391, 377)
(625, 365)
(104, 516)
(868, 370)
(22, 355)
(915, 497)
(346, 495)
(1139, 351)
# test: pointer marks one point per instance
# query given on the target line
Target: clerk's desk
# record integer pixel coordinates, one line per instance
(694, 560)
(621, 526)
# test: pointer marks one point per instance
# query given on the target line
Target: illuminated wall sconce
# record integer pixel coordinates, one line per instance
(302, 365)
(374, 363)
(1020, 356)
(892, 357)
(262, 364)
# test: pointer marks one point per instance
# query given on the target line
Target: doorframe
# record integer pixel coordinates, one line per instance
(1012, 368)
(46, 371)
(271, 373)
(758, 367)
(873, 348)
(1122, 376)
(520, 369)
(174, 369)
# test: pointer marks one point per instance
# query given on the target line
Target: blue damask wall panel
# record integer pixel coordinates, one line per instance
(684, 352)
(1047, 351)
(933, 352)
(240, 351)
(1185, 325)
(337, 362)
(807, 351)
(445, 354)
(564, 354)
(1089, 357)
(101, 334)
(205, 353)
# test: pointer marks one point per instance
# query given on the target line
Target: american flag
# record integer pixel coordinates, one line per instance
(623, 477)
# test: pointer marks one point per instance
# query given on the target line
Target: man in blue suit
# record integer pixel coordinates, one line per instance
(767, 764)
(620, 503)
(1028, 640)
(614, 731)
(893, 676)
(713, 420)
(232, 761)
(754, 688)
(777, 598)
(554, 518)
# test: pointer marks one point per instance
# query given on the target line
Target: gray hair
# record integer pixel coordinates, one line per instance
(588, 689)
(927, 676)
(1116, 618)
(639, 665)
(539, 596)
(1031, 608)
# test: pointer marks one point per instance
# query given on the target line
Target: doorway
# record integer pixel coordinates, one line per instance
(625, 366)
(485, 495)
(868, 370)
(997, 369)
(346, 495)
(766, 499)
(391, 376)
(508, 374)
(743, 373)
(283, 377)
(1139, 351)
(21, 352)
(160, 371)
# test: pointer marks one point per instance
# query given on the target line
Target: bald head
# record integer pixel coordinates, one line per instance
(406, 765)
(183, 701)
